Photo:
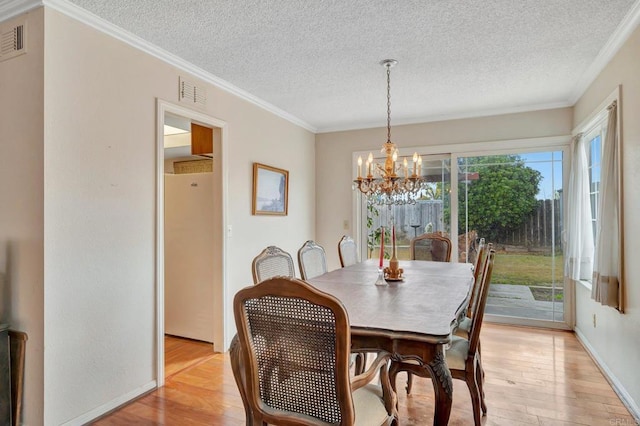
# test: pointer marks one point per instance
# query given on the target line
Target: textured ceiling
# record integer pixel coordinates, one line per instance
(318, 60)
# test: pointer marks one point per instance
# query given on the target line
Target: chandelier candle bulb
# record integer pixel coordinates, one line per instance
(394, 157)
(359, 167)
(415, 162)
(406, 167)
(420, 165)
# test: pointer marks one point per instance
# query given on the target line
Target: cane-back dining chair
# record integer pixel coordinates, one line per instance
(290, 360)
(464, 323)
(347, 251)
(431, 246)
(312, 260)
(271, 262)
(463, 355)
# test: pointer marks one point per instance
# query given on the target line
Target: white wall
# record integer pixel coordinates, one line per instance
(616, 338)
(335, 168)
(100, 168)
(21, 214)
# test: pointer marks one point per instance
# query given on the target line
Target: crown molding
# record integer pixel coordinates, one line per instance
(12, 8)
(448, 117)
(94, 21)
(628, 24)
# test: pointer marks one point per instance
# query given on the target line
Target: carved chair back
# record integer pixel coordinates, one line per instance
(271, 262)
(312, 260)
(431, 246)
(296, 342)
(348, 251)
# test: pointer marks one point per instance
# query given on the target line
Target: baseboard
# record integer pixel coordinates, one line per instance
(611, 378)
(111, 405)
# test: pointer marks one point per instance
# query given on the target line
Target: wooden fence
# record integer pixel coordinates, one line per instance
(542, 229)
(540, 232)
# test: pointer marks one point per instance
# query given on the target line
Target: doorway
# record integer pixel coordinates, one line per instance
(190, 224)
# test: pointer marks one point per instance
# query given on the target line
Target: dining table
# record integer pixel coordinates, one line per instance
(412, 319)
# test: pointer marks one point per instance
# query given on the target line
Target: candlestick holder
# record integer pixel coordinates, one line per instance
(393, 272)
(380, 280)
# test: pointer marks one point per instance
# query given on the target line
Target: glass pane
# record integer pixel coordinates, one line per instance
(595, 178)
(595, 151)
(428, 214)
(514, 202)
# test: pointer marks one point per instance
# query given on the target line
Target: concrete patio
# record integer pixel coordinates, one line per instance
(518, 301)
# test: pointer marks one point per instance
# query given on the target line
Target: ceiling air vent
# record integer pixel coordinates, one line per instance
(12, 41)
(191, 93)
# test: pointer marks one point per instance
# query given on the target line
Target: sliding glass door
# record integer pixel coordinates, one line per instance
(513, 201)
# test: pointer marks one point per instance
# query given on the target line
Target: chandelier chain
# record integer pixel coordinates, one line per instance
(388, 104)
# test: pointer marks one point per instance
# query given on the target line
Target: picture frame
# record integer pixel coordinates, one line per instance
(270, 190)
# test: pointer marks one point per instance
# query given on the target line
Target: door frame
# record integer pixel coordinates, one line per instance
(220, 315)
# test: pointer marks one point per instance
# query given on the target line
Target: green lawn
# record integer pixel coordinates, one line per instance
(517, 268)
(527, 269)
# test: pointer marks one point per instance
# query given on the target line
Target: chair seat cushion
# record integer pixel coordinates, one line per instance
(293, 391)
(369, 406)
(457, 353)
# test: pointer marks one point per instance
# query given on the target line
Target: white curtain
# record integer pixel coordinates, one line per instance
(606, 269)
(579, 231)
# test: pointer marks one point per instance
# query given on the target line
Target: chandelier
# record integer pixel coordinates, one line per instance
(383, 183)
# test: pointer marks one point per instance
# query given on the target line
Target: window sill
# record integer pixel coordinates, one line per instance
(585, 284)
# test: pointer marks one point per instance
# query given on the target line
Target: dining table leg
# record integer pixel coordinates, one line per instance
(431, 362)
(442, 386)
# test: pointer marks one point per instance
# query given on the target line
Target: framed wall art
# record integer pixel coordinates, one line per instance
(270, 190)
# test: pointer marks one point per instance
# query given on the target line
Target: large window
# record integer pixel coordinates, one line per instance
(595, 235)
(590, 143)
(595, 154)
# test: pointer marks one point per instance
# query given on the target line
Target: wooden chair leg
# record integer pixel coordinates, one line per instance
(470, 379)
(361, 363)
(393, 373)
(17, 347)
(409, 382)
(480, 384)
(239, 369)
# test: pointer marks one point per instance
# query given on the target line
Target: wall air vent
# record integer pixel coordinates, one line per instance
(12, 41)
(192, 93)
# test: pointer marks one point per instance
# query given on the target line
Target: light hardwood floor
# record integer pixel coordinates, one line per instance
(533, 377)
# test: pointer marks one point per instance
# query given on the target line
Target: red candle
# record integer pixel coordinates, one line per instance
(381, 246)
